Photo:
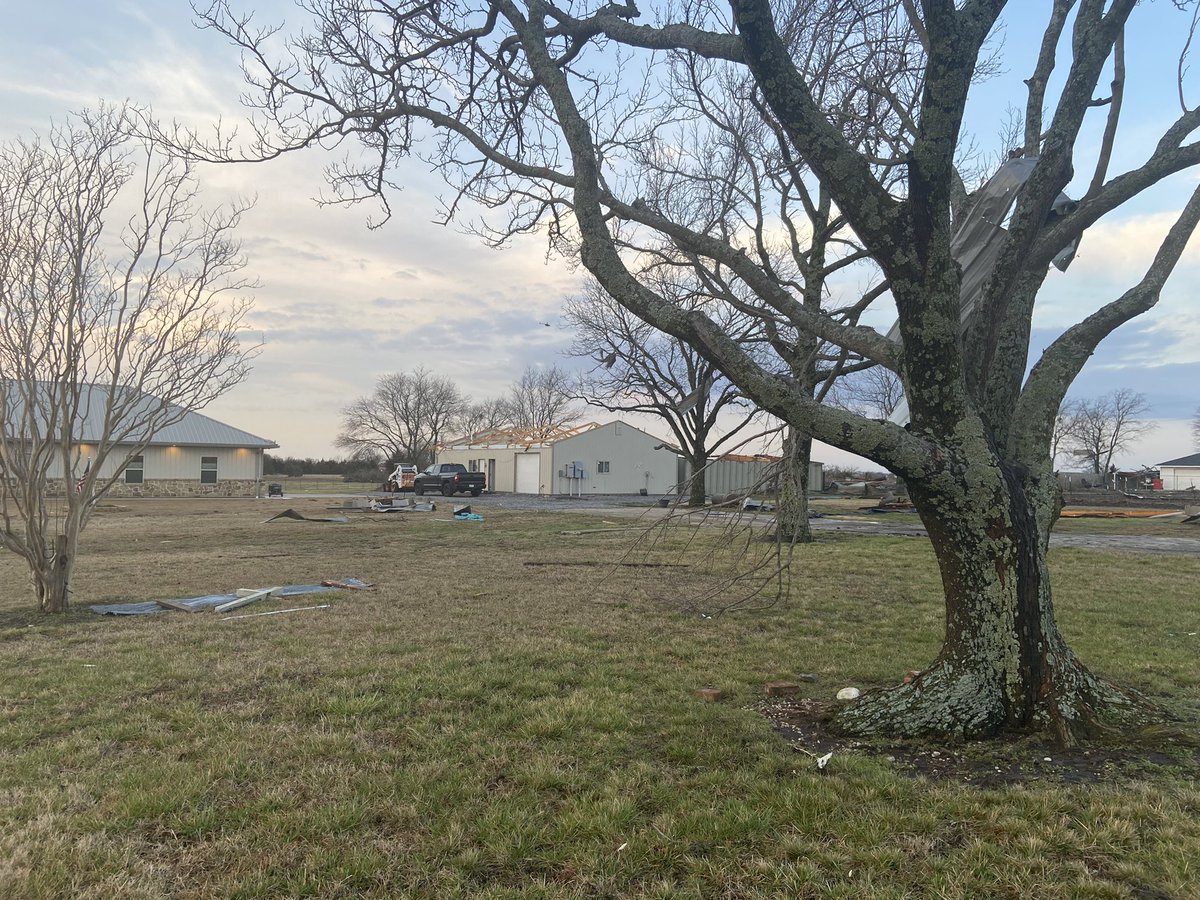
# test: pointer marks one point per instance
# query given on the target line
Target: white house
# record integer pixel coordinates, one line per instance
(195, 456)
(1181, 474)
(614, 458)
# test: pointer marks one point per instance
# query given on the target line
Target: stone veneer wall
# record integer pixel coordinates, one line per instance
(179, 488)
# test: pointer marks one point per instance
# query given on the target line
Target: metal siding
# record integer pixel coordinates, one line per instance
(1179, 478)
(737, 476)
(631, 455)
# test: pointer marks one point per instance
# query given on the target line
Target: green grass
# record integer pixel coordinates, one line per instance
(482, 728)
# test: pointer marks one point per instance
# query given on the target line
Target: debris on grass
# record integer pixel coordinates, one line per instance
(177, 605)
(274, 612)
(387, 506)
(290, 513)
(210, 601)
(246, 596)
(711, 695)
(849, 693)
(782, 688)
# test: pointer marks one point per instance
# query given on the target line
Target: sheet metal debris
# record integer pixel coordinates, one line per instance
(210, 601)
(387, 506)
(245, 596)
(300, 517)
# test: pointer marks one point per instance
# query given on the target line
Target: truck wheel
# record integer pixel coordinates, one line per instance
(419, 490)
(447, 490)
(475, 492)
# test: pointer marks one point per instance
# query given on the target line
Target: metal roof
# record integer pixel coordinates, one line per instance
(192, 428)
(1193, 460)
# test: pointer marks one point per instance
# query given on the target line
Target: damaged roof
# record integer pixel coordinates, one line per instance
(525, 437)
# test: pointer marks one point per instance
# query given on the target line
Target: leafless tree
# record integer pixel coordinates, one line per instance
(1102, 427)
(874, 392)
(1064, 426)
(542, 400)
(404, 418)
(1196, 430)
(111, 332)
(485, 415)
(637, 368)
(568, 120)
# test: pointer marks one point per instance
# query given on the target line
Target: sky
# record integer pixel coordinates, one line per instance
(339, 304)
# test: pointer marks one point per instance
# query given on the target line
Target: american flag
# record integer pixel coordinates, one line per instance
(83, 478)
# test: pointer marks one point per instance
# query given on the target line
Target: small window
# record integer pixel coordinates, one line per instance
(602, 467)
(208, 470)
(134, 470)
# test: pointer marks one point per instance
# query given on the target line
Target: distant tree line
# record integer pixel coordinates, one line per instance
(350, 469)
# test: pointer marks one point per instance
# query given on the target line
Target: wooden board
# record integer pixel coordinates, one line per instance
(251, 596)
(176, 605)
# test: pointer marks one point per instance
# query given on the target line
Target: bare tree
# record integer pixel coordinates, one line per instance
(1102, 427)
(403, 419)
(639, 369)
(542, 400)
(566, 120)
(1064, 427)
(110, 333)
(874, 392)
(486, 415)
(1196, 430)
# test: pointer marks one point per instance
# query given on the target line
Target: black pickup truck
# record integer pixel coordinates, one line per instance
(449, 479)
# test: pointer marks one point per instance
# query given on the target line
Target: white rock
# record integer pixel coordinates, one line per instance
(850, 693)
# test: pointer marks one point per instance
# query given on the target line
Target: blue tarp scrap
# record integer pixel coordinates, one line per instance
(208, 601)
(468, 517)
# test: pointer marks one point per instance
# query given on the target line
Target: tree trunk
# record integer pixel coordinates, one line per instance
(697, 488)
(1004, 665)
(791, 515)
(52, 579)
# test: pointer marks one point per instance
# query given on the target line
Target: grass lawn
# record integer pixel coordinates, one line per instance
(479, 727)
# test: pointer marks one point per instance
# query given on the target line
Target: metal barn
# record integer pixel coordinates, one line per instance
(613, 458)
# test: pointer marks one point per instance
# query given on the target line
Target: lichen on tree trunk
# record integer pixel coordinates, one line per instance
(1004, 665)
(791, 514)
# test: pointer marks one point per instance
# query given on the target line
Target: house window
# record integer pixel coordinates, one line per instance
(134, 470)
(208, 470)
(602, 467)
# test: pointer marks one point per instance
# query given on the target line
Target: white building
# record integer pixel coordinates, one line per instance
(195, 456)
(1181, 474)
(614, 458)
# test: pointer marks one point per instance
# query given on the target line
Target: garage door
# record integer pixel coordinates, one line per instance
(528, 472)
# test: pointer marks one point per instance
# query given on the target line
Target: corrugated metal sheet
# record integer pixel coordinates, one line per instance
(743, 474)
